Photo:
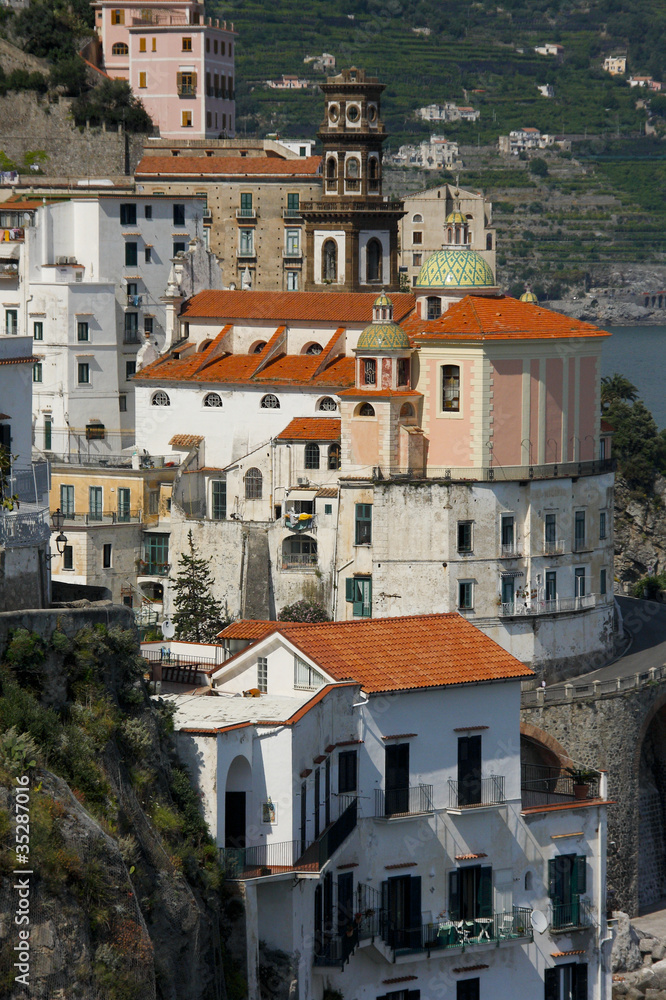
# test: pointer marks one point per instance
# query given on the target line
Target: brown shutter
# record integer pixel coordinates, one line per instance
(179, 81)
(194, 81)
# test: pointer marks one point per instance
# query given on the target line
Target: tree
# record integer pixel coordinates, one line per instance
(114, 103)
(617, 388)
(199, 616)
(538, 167)
(304, 611)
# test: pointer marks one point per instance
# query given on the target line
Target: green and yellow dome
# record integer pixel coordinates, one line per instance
(529, 296)
(383, 333)
(455, 269)
(456, 217)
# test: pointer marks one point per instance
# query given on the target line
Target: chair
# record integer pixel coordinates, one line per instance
(505, 929)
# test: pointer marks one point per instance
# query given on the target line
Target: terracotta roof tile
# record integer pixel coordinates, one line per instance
(337, 307)
(196, 166)
(397, 654)
(476, 317)
(186, 440)
(311, 429)
(27, 359)
(247, 628)
(328, 492)
(239, 369)
(606, 427)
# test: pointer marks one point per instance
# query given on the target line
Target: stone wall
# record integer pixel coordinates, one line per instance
(28, 122)
(67, 620)
(12, 57)
(23, 579)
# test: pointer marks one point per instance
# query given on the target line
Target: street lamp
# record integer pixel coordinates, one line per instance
(57, 522)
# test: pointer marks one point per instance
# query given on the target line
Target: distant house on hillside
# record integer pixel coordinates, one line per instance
(421, 31)
(436, 154)
(549, 49)
(447, 112)
(615, 65)
(524, 139)
(321, 64)
(289, 81)
(546, 89)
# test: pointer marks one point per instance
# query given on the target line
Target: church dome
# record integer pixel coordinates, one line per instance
(456, 217)
(455, 269)
(529, 296)
(383, 333)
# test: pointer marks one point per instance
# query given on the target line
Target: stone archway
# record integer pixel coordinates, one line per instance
(238, 791)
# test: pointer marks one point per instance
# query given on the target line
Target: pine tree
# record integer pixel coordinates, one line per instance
(198, 616)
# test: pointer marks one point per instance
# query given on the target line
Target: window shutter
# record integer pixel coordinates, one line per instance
(454, 895)
(349, 588)
(414, 995)
(580, 869)
(552, 877)
(179, 80)
(580, 982)
(383, 917)
(194, 81)
(415, 910)
(551, 980)
(485, 892)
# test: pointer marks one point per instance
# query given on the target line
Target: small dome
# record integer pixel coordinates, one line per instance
(383, 336)
(529, 296)
(456, 217)
(455, 269)
(382, 300)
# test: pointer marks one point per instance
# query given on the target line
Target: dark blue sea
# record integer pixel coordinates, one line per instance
(639, 353)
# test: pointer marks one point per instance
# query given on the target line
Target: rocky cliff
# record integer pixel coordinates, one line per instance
(640, 533)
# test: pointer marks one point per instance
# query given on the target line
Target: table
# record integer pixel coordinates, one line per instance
(485, 924)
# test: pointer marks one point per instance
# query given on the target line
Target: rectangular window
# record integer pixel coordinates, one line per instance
(219, 500)
(179, 215)
(602, 524)
(37, 372)
(602, 449)
(246, 203)
(508, 590)
(566, 982)
(417, 238)
(550, 530)
(246, 241)
(84, 373)
(465, 536)
(106, 556)
(209, 119)
(579, 530)
(602, 582)
(508, 541)
(363, 523)
(142, 45)
(130, 254)
(328, 508)
(122, 403)
(130, 369)
(465, 595)
(551, 585)
(156, 550)
(293, 201)
(579, 580)
(47, 434)
(471, 892)
(347, 771)
(358, 592)
(148, 254)
(38, 330)
(148, 324)
(305, 676)
(416, 259)
(124, 497)
(187, 44)
(262, 674)
(178, 248)
(142, 81)
(154, 502)
(292, 281)
(11, 322)
(131, 328)
(469, 770)
(117, 17)
(95, 503)
(82, 332)
(67, 500)
(128, 214)
(293, 242)
(451, 388)
(370, 371)
(567, 882)
(186, 119)
(468, 989)
(148, 212)
(68, 558)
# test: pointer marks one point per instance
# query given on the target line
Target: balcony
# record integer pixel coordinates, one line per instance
(541, 785)
(300, 522)
(246, 213)
(292, 253)
(553, 547)
(147, 568)
(246, 252)
(299, 560)
(509, 550)
(560, 605)
(395, 802)
(573, 915)
(106, 460)
(104, 517)
(507, 473)
(24, 528)
(186, 90)
(29, 484)
(473, 792)
(291, 213)
(8, 270)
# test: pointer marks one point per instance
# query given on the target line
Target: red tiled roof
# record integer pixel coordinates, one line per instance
(239, 369)
(500, 318)
(247, 628)
(606, 427)
(311, 429)
(328, 492)
(186, 440)
(323, 307)
(394, 654)
(28, 359)
(159, 166)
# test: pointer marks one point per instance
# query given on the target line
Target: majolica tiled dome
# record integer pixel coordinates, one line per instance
(383, 336)
(455, 269)
(529, 296)
(456, 217)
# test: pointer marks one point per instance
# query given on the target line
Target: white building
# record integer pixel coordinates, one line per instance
(368, 793)
(523, 140)
(615, 65)
(546, 89)
(449, 111)
(549, 49)
(436, 154)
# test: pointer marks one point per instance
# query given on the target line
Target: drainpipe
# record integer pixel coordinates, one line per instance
(601, 881)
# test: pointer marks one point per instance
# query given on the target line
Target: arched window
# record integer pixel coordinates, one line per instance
(370, 371)
(407, 410)
(450, 388)
(352, 167)
(212, 399)
(331, 168)
(258, 347)
(120, 49)
(434, 304)
(160, 398)
(374, 260)
(311, 455)
(270, 402)
(299, 551)
(489, 241)
(417, 218)
(253, 484)
(366, 410)
(334, 456)
(313, 349)
(528, 881)
(204, 346)
(327, 403)
(330, 261)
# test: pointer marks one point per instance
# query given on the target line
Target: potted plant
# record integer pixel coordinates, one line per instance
(582, 776)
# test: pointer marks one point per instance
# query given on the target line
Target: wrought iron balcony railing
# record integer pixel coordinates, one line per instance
(410, 801)
(474, 791)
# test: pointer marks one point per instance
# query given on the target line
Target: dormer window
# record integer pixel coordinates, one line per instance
(370, 371)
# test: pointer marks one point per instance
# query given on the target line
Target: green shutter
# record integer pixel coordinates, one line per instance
(551, 980)
(580, 982)
(552, 877)
(485, 900)
(349, 588)
(580, 874)
(454, 895)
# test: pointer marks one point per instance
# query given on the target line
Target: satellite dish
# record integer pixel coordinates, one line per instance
(168, 628)
(539, 921)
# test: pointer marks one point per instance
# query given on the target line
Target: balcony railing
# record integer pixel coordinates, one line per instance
(473, 792)
(507, 473)
(299, 560)
(542, 785)
(410, 801)
(506, 926)
(21, 528)
(291, 213)
(147, 568)
(509, 550)
(106, 460)
(29, 484)
(554, 547)
(246, 213)
(559, 605)
(104, 517)
(334, 835)
(570, 915)
(246, 252)
(187, 90)
(291, 252)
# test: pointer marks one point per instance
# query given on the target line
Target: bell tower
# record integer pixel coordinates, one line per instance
(351, 233)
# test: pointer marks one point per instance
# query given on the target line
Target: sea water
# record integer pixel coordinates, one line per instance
(639, 353)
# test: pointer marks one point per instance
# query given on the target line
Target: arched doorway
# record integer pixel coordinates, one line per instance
(330, 261)
(237, 793)
(652, 813)
(374, 260)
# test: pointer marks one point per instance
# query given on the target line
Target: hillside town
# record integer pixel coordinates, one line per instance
(319, 680)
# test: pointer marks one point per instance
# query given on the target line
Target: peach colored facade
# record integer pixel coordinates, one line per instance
(178, 62)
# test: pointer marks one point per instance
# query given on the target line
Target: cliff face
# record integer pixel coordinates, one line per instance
(640, 533)
(126, 898)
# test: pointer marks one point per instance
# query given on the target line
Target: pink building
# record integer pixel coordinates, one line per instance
(177, 61)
